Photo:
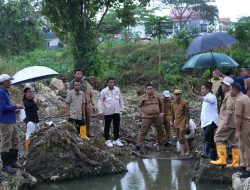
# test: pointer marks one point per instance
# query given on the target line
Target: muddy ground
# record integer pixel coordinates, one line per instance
(57, 152)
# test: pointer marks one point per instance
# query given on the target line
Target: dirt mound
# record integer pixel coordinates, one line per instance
(57, 153)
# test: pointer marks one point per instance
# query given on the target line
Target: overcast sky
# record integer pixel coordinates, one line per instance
(227, 8)
(233, 8)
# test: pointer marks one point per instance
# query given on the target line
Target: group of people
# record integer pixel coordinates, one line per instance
(228, 127)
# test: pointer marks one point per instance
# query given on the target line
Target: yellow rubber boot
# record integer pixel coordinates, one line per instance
(83, 132)
(222, 153)
(235, 158)
(27, 144)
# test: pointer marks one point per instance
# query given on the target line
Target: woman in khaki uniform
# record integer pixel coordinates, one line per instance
(242, 121)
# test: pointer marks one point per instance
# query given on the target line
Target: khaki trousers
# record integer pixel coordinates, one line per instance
(167, 128)
(244, 145)
(145, 127)
(224, 135)
(181, 135)
(88, 110)
(9, 137)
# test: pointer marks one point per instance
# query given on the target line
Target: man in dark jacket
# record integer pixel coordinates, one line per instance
(8, 129)
(32, 121)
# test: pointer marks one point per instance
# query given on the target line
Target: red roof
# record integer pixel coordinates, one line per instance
(185, 16)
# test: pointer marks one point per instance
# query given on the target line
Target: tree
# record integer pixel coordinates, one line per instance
(158, 26)
(241, 30)
(183, 10)
(77, 20)
(111, 23)
(19, 26)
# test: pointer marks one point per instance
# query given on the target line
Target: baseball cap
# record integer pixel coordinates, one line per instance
(166, 93)
(5, 77)
(227, 81)
(177, 91)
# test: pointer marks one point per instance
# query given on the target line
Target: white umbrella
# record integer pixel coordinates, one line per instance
(32, 74)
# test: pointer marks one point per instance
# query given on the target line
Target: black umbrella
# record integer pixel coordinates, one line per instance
(210, 41)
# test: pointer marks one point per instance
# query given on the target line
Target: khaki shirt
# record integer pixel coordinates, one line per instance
(110, 101)
(89, 94)
(216, 84)
(242, 108)
(180, 113)
(86, 88)
(227, 107)
(76, 101)
(150, 105)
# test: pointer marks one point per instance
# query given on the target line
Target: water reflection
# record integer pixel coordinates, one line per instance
(146, 174)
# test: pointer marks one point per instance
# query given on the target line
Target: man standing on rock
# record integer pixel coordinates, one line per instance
(242, 121)
(209, 120)
(150, 107)
(166, 116)
(226, 128)
(87, 89)
(180, 120)
(110, 104)
(8, 128)
(75, 109)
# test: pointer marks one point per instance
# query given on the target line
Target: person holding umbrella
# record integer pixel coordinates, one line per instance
(245, 73)
(30, 103)
(8, 128)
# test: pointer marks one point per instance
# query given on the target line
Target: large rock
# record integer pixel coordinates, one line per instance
(19, 181)
(57, 84)
(208, 173)
(57, 153)
(240, 184)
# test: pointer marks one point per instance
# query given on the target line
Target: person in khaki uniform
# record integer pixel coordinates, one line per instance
(87, 89)
(242, 122)
(150, 107)
(166, 116)
(75, 109)
(180, 120)
(226, 128)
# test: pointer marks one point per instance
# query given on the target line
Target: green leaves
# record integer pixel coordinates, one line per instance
(20, 27)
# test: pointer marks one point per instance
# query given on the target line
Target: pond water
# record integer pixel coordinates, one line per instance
(144, 174)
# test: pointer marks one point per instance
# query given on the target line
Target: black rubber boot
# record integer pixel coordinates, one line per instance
(206, 150)
(6, 159)
(14, 155)
(213, 154)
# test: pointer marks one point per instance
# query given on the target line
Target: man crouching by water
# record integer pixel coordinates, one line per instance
(150, 107)
(8, 128)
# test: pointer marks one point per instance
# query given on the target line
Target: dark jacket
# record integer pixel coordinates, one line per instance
(7, 109)
(30, 110)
